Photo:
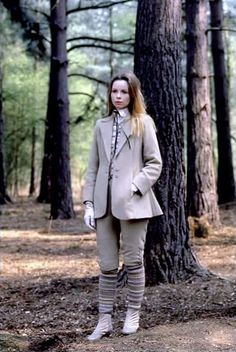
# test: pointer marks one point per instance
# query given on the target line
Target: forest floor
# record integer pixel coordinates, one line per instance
(48, 290)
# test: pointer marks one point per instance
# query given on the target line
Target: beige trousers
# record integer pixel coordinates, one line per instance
(114, 235)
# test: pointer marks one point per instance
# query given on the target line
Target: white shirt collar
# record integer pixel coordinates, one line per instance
(123, 112)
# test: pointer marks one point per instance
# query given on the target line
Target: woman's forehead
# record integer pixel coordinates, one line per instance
(120, 83)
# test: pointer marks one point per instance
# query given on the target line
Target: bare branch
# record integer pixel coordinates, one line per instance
(100, 47)
(37, 11)
(89, 106)
(102, 5)
(88, 77)
(45, 38)
(81, 93)
(121, 41)
(211, 29)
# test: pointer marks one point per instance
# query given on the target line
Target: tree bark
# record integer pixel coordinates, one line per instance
(32, 173)
(61, 193)
(168, 255)
(225, 180)
(46, 173)
(201, 184)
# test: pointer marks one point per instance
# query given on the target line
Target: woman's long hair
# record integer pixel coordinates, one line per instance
(137, 107)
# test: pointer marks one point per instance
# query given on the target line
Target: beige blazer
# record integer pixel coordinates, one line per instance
(137, 160)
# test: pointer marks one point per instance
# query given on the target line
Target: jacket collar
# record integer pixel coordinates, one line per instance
(106, 132)
(107, 118)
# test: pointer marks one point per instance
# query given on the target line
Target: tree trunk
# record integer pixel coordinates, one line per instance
(61, 193)
(168, 255)
(45, 182)
(225, 180)
(2, 169)
(16, 175)
(201, 184)
(4, 198)
(32, 174)
(110, 24)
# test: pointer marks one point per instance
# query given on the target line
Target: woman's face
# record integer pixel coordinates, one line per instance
(120, 97)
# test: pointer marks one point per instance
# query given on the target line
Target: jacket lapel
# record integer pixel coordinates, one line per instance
(106, 133)
(124, 136)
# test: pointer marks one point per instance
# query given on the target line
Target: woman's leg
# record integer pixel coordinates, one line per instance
(108, 233)
(134, 236)
(136, 285)
(107, 290)
(108, 239)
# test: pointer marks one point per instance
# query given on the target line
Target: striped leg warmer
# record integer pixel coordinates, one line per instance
(107, 290)
(136, 285)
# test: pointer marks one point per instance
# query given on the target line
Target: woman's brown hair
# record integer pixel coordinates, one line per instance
(137, 107)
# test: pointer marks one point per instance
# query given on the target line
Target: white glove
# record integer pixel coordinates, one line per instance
(89, 217)
(134, 189)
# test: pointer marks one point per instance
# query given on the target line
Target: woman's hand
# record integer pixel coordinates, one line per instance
(89, 216)
(134, 189)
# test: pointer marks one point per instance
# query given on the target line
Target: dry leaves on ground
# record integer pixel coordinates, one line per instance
(48, 290)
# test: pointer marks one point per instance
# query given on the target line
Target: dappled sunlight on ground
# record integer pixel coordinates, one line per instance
(48, 290)
(30, 254)
(217, 252)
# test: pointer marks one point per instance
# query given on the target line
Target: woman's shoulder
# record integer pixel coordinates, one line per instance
(146, 117)
(148, 120)
(103, 119)
(148, 124)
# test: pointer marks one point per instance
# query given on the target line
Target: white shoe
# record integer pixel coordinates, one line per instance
(104, 327)
(131, 324)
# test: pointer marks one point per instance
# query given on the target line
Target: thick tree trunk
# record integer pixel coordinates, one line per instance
(201, 184)
(168, 255)
(46, 172)
(32, 173)
(225, 180)
(61, 193)
(45, 181)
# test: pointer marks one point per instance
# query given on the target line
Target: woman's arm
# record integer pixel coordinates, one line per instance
(152, 161)
(92, 169)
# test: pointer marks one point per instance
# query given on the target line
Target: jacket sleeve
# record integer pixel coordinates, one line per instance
(92, 169)
(152, 162)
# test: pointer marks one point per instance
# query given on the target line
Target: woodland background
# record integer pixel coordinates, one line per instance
(57, 58)
(95, 52)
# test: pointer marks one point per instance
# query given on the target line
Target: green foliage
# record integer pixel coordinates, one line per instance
(25, 96)
(25, 82)
(91, 102)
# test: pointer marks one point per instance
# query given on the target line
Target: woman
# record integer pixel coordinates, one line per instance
(124, 164)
